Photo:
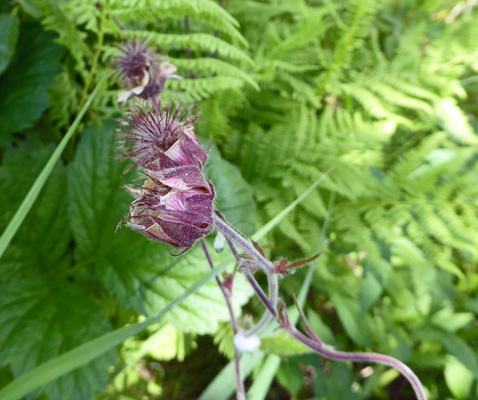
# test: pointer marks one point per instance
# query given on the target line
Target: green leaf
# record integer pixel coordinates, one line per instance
(458, 378)
(454, 345)
(141, 273)
(370, 290)
(321, 329)
(224, 340)
(234, 196)
(290, 377)
(336, 383)
(92, 349)
(43, 238)
(40, 181)
(8, 39)
(25, 83)
(39, 321)
(165, 343)
(449, 320)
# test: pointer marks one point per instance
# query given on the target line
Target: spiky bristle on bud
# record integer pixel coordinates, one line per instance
(156, 139)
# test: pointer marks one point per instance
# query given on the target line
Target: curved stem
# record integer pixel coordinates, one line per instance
(273, 294)
(316, 345)
(240, 392)
(230, 233)
(376, 358)
(273, 298)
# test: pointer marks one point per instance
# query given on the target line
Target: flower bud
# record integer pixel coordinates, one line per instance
(155, 139)
(175, 203)
(173, 206)
(136, 61)
(141, 71)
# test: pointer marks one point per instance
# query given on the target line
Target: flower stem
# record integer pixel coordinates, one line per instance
(240, 392)
(273, 294)
(230, 233)
(315, 343)
(273, 297)
(317, 346)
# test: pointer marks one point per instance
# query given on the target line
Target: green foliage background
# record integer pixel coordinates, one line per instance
(383, 92)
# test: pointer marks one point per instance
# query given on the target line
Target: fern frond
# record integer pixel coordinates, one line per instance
(214, 66)
(197, 42)
(202, 88)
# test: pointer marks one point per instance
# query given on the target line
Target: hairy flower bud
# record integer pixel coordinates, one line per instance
(155, 139)
(141, 71)
(136, 61)
(173, 206)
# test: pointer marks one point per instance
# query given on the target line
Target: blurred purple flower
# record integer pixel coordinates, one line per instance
(141, 71)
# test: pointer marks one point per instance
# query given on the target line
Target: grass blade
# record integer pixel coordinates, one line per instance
(34, 191)
(279, 217)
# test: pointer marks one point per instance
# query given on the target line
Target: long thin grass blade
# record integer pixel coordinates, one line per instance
(36, 188)
(279, 217)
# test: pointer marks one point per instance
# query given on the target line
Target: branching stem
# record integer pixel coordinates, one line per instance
(314, 343)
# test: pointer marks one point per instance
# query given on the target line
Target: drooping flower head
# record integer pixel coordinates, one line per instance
(173, 206)
(175, 203)
(141, 72)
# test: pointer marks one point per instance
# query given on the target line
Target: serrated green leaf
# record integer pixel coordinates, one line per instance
(25, 83)
(234, 196)
(94, 348)
(43, 238)
(141, 273)
(8, 39)
(164, 343)
(39, 321)
(224, 340)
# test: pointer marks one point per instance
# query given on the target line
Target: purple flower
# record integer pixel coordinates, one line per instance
(155, 139)
(175, 203)
(141, 71)
(173, 206)
(136, 62)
